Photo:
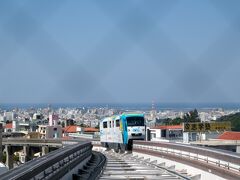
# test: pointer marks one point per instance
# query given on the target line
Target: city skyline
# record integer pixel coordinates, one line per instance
(119, 52)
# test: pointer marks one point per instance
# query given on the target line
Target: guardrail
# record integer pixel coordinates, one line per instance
(54, 165)
(221, 159)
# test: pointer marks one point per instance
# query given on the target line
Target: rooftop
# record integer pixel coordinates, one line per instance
(74, 129)
(71, 129)
(90, 129)
(168, 127)
(8, 126)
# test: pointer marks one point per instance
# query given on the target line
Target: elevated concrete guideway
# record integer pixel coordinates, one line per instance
(32, 146)
(208, 162)
(32, 142)
(29, 148)
(54, 165)
(127, 166)
(224, 164)
(220, 143)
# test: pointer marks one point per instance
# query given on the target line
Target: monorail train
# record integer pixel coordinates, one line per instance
(118, 132)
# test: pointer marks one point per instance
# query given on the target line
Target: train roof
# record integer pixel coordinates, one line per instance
(124, 114)
(110, 118)
(132, 114)
(105, 119)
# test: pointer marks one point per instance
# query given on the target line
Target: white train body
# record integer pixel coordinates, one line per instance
(117, 132)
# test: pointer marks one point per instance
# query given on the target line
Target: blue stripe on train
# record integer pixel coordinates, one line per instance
(125, 130)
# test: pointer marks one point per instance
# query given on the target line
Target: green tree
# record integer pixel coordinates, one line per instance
(16, 157)
(191, 116)
(234, 119)
(4, 158)
(97, 126)
(63, 124)
(177, 121)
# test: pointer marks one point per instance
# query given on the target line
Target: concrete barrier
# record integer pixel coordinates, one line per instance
(53, 165)
(223, 163)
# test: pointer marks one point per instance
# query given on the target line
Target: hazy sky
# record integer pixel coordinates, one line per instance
(119, 51)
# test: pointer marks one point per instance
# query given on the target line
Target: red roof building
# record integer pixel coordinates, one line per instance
(230, 135)
(71, 129)
(8, 126)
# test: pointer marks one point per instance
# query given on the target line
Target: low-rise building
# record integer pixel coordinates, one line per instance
(49, 132)
(8, 127)
(170, 132)
(71, 129)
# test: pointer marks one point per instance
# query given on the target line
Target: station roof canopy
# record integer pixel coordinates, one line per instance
(170, 127)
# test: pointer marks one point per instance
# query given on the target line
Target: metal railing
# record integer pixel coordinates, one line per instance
(54, 165)
(221, 159)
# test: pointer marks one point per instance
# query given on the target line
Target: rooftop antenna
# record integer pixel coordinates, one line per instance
(153, 105)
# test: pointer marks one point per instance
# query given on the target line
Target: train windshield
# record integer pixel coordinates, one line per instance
(135, 121)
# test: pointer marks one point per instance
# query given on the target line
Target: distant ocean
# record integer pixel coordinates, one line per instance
(127, 106)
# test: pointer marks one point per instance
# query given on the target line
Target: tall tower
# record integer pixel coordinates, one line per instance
(153, 105)
(153, 113)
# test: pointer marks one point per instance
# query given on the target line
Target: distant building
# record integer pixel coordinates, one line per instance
(71, 129)
(53, 120)
(10, 116)
(42, 131)
(80, 132)
(3, 118)
(53, 132)
(50, 132)
(8, 127)
(37, 116)
(15, 126)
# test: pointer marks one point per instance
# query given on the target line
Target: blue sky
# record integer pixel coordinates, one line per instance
(119, 51)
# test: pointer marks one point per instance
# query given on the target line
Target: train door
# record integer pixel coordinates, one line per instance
(104, 132)
(118, 133)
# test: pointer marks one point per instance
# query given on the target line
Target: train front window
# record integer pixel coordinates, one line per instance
(135, 121)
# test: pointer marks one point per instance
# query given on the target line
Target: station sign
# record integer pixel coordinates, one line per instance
(206, 126)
